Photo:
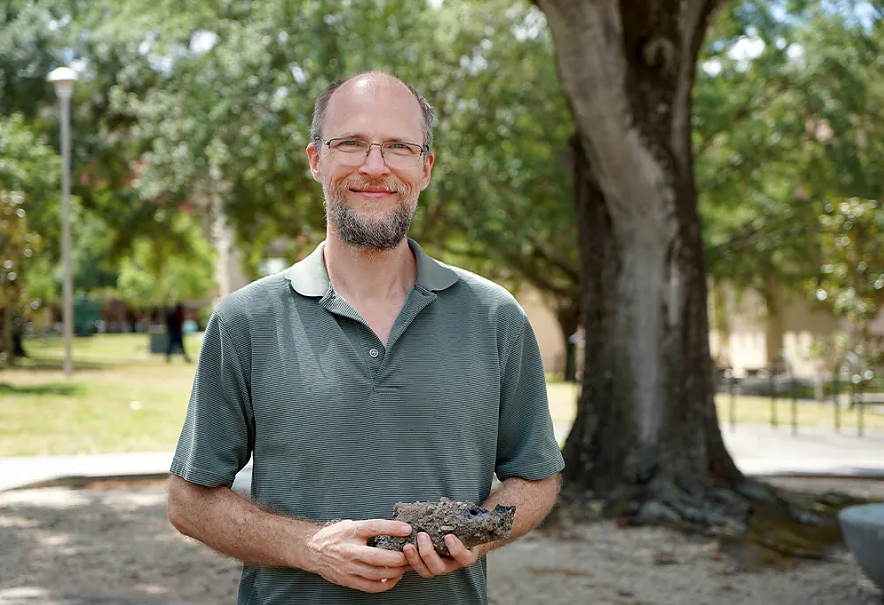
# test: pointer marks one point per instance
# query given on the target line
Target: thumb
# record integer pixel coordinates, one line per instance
(382, 527)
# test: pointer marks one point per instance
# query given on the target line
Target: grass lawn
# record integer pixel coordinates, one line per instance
(122, 399)
(757, 410)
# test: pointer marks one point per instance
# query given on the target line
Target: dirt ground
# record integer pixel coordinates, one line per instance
(111, 544)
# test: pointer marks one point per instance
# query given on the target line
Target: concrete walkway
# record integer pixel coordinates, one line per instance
(757, 450)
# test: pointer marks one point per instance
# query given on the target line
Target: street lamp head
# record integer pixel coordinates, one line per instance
(63, 78)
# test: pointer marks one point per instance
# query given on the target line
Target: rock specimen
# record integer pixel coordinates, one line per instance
(471, 524)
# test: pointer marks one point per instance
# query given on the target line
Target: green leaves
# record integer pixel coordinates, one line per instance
(153, 275)
(181, 106)
(18, 246)
(783, 125)
(31, 168)
(852, 276)
(28, 223)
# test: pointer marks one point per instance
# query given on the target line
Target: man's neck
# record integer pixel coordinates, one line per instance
(365, 275)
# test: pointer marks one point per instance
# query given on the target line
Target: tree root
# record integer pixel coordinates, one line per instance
(756, 524)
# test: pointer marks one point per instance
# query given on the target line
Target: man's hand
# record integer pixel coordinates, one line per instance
(426, 561)
(339, 553)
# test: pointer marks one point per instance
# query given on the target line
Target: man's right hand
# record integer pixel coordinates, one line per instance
(339, 553)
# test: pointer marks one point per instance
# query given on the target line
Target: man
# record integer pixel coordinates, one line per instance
(364, 375)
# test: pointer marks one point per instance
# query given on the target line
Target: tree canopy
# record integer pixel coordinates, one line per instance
(179, 108)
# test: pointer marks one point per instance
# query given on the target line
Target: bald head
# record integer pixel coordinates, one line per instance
(371, 84)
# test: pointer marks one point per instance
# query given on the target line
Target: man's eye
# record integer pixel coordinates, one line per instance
(398, 146)
(351, 143)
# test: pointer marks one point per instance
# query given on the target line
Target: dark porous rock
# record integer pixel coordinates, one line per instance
(471, 524)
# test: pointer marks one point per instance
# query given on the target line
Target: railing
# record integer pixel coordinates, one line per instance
(855, 368)
(781, 377)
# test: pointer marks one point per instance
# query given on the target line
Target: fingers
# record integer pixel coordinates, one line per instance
(378, 557)
(426, 561)
(342, 556)
(460, 553)
(417, 564)
(429, 555)
(436, 565)
(380, 527)
(370, 572)
(372, 586)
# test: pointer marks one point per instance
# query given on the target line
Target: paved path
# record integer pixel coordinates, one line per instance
(758, 450)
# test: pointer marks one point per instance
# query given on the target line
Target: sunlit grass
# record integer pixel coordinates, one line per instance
(742, 410)
(120, 398)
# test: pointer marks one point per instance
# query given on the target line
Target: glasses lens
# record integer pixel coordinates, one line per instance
(405, 150)
(349, 145)
(401, 155)
(354, 151)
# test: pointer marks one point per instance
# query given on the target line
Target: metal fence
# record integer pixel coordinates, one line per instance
(780, 377)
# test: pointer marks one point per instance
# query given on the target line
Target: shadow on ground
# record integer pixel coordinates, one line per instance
(48, 364)
(110, 543)
(62, 546)
(48, 388)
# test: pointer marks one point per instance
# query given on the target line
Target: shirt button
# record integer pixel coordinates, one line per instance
(374, 352)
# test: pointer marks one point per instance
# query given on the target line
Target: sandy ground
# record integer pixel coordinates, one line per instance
(111, 544)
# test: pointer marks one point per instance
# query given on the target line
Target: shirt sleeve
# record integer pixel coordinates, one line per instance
(218, 434)
(526, 443)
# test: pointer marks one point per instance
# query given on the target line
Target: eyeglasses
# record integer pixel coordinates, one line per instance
(352, 152)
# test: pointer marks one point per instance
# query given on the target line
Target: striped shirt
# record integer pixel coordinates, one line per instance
(341, 427)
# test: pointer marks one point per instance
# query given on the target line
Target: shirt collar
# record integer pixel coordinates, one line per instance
(309, 277)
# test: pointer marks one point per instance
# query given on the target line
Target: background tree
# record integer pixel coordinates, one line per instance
(109, 44)
(16, 245)
(851, 280)
(749, 139)
(155, 275)
(646, 434)
(779, 133)
(646, 437)
(28, 169)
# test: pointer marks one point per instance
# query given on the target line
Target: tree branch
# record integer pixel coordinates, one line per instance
(555, 260)
(745, 110)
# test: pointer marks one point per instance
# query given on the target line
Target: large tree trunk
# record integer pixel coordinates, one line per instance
(568, 317)
(646, 430)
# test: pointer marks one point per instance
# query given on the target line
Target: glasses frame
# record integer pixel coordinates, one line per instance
(424, 149)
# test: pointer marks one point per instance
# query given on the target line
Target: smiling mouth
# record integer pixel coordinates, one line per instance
(372, 192)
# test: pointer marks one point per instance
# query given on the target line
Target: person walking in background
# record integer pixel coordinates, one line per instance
(175, 332)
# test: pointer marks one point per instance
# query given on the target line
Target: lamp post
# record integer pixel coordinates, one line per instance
(64, 78)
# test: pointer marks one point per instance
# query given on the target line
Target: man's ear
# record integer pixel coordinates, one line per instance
(427, 170)
(313, 158)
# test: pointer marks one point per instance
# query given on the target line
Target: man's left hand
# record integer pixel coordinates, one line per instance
(426, 561)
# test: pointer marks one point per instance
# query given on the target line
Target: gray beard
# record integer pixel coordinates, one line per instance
(383, 232)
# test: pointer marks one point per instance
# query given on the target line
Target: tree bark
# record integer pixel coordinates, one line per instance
(18, 340)
(568, 317)
(7, 346)
(646, 431)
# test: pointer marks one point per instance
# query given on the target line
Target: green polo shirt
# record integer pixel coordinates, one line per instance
(339, 426)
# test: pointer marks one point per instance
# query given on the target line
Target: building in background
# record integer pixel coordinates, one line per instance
(752, 334)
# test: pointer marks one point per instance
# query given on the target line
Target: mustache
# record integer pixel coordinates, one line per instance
(365, 183)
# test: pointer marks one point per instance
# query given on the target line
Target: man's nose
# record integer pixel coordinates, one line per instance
(374, 164)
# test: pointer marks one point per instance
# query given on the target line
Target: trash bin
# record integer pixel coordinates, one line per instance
(159, 339)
